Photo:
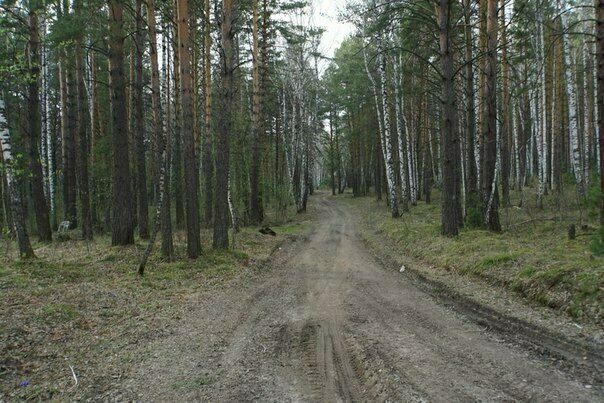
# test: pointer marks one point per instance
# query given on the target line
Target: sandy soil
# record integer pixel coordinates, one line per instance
(327, 322)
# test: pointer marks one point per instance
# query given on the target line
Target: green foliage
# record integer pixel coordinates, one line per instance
(596, 243)
(473, 217)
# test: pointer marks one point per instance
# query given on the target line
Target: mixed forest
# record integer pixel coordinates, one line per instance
(151, 148)
(137, 118)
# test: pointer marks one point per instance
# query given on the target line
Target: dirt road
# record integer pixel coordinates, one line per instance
(328, 323)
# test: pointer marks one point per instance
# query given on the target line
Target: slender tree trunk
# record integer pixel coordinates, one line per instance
(82, 135)
(489, 183)
(47, 138)
(139, 126)
(221, 212)
(387, 141)
(187, 136)
(332, 152)
(471, 174)
(400, 128)
(34, 131)
(600, 91)
(160, 134)
(208, 163)
(121, 213)
(427, 152)
(255, 202)
(451, 201)
(505, 137)
(68, 143)
(573, 112)
(540, 110)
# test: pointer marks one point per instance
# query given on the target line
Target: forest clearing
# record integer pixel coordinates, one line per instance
(284, 200)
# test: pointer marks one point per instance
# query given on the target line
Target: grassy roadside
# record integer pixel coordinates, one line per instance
(80, 306)
(532, 256)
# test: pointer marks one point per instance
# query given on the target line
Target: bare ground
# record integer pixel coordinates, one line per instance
(327, 322)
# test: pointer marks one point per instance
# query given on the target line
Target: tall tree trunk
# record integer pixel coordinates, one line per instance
(221, 212)
(82, 135)
(47, 137)
(400, 128)
(471, 174)
(451, 202)
(255, 202)
(159, 133)
(139, 134)
(68, 143)
(207, 162)
(600, 91)
(573, 109)
(489, 183)
(34, 131)
(121, 212)
(187, 136)
(540, 110)
(16, 204)
(386, 138)
(505, 137)
(332, 152)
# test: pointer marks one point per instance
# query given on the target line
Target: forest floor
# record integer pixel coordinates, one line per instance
(323, 319)
(81, 307)
(532, 257)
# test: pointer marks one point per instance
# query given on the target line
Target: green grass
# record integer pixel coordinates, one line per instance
(532, 256)
(53, 313)
(192, 384)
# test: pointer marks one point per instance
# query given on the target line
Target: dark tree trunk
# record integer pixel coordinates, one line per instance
(255, 202)
(221, 215)
(187, 136)
(489, 185)
(600, 39)
(451, 202)
(176, 135)
(332, 151)
(33, 133)
(68, 144)
(121, 213)
(208, 163)
(159, 133)
(471, 172)
(506, 134)
(139, 135)
(82, 136)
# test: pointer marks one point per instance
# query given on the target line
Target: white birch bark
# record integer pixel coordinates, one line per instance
(16, 204)
(573, 115)
(399, 131)
(540, 112)
(387, 141)
(516, 152)
(375, 96)
(595, 115)
(46, 143)
(586, 131)
(410, 160)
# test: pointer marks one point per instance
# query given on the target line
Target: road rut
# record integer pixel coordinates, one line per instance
(328, 323)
